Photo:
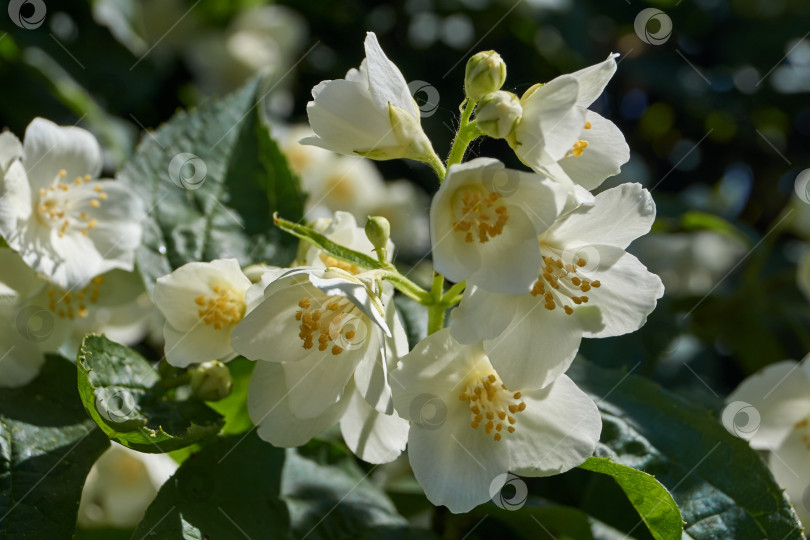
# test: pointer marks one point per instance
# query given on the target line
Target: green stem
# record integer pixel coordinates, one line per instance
(436, 163)
(453, 294)
(467, 132)
(408, 287)
(436, 309)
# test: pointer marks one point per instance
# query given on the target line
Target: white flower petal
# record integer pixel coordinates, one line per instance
(48, 148)
(627, 295)
(201, 344)
(386, 83)
(790, 464)
(269, 409)
(558, 430)
(593, 80)
(10, 150)
(373, 436)
(371, 375)
(606, 152)
(779, 394)
(537, 347)
(318, 380)
(15, 206)
(551, 122)
(20, 358)
(618, 216)
(481, 315)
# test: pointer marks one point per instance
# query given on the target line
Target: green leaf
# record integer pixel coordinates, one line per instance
(211, 179)
(47, 446)
(120, 390)
(230, 489)
(652, 501)
(722, 487)
(339, 501)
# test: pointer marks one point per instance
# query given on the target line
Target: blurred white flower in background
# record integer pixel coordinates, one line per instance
(335, 182)
(121, 485)
(689, 263)
(775, 407)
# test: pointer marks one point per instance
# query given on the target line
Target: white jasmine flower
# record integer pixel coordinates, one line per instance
(349, 184)
(121, 485)
(485, 220)
(370, 113)
(202, 302)
(776, 401)
(480, 427)
(334, 371)
(340, 326)
(586, 286)
(558, 137)
(64, 223)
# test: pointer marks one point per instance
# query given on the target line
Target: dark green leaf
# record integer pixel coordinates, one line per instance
(211, 179)
(722, 486)
(650, 499)
(230, 489)
(47, 446)
(121, 392)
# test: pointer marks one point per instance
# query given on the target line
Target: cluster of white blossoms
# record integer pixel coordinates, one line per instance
(537, 260)
(68, 257)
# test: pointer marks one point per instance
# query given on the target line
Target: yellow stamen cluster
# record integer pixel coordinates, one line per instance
(562, 279)
(326, 320)
(578, 148)
(71, 305)
(492, 405)
(332, 262)
(221, 309)
(806, 437)
(54, 206)
(481, 214)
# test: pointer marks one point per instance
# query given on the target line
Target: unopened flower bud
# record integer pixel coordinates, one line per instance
(498, 114)
(485, 73)
(378, 230)
(211, 381)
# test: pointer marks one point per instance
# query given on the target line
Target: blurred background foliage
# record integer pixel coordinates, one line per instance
(717, 119)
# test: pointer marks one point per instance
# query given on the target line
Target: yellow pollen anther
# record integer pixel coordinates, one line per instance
(587, 125)
(221, 309)
(102, 196)
(62, 173)
(488, 405)
(562, 283)
(327, 323)
(578, 148)
(94, 203)
(479, 215)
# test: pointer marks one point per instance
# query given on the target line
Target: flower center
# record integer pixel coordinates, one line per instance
(558, 281)
(56, 203)
(333, 323)
(221, 309)
(481, 215)
(492, 404)
(70, 305)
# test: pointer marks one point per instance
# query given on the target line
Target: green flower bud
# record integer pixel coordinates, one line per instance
(485, 73)
(211, 381)
(498, 114)
(378, 230)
